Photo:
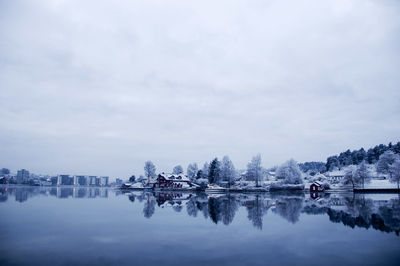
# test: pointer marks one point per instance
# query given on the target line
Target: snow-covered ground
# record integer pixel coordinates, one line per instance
(377, 183)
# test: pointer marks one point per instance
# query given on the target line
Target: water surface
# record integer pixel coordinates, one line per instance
(96, 226)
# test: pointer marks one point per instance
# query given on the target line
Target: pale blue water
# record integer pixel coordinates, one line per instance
(66, 226)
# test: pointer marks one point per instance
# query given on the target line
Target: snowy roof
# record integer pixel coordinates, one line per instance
(175, 177)
(317, 183)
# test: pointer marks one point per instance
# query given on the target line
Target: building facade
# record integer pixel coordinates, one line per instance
(22, 176)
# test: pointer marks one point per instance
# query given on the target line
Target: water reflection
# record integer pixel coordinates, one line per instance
(354, 210)
(22, 193)
(378, 212)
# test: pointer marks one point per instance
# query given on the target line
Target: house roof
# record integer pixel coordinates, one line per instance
(175, 177)
(317, 183)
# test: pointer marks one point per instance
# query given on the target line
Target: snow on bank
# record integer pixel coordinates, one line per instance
(378, 183)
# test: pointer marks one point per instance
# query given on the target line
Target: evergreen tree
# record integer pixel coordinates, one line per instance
(214, 172)
(132, 178)
(199, 174)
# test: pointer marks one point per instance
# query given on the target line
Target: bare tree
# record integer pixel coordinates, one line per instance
(227, 171)
(395, 172)
(177, 170)
(149, 170)
(192, 171)
(255, 170)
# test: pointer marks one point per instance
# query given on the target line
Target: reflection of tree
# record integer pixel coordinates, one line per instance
(255, 211)
(289, 207)
(132, 197)
(390, 214)
(358, 211)
(148, 209)
(191, 207)
(229, 207)
(3, 195)
(177, 208)
(214, 209)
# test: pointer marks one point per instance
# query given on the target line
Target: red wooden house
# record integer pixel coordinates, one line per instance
(316, 187)
(172, 181)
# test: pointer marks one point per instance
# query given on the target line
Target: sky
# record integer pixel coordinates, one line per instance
(100, 87)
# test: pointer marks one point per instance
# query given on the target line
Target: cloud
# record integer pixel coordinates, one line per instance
(100, 87)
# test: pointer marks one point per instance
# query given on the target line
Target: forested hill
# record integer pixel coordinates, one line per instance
(350, 157)
(357, 156)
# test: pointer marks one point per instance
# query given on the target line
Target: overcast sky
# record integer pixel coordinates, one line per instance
(99, 87)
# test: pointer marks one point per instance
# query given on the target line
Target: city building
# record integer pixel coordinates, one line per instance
(22, 176)
(80, 180)
(91, 180)
(104, 181)
(63, 180)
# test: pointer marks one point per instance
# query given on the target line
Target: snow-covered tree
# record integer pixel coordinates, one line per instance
(205, 170)
(395, 172)
(227, 171)
(385, 160)
(192, 171)
(289, 172)
(254, 170)
(351, 176)
(214, 172)
(149, 170)
(177, 170)
(363, 174)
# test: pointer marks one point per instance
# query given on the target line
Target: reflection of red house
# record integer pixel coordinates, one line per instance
(316, 186)
(172, 181)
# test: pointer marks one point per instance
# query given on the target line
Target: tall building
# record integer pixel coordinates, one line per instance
(92, 180)
(64, 180)
(104, 181)
(22, 176)
(79, 180)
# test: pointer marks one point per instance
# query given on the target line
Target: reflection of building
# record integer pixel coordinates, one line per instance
(104, 181)
(104, 193)
(21, 195)
(64, 192)
(22, 176)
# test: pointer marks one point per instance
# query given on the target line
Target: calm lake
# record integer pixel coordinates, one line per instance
(96, 226)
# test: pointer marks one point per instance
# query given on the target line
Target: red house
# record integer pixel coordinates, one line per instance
(316, 187)
(172, 181)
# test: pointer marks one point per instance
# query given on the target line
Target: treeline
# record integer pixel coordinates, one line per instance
(355, 157)
(314, 167)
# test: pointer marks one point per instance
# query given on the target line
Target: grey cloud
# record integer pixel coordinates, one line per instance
(101, 87)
